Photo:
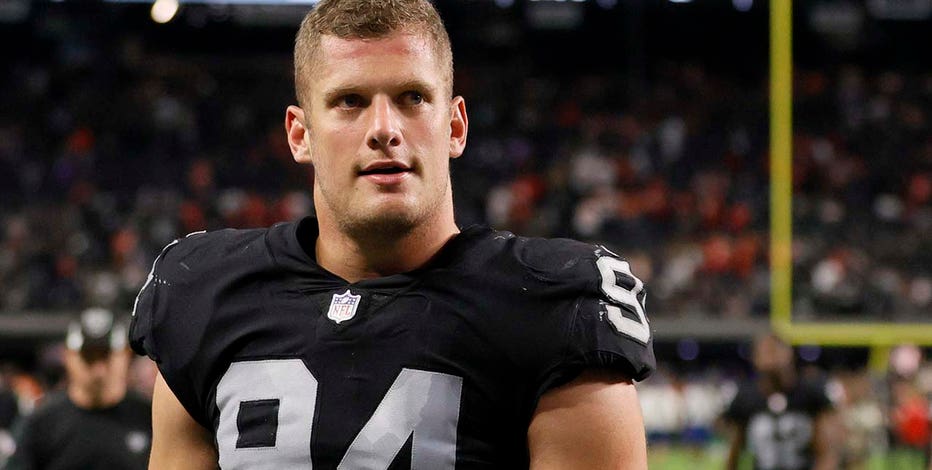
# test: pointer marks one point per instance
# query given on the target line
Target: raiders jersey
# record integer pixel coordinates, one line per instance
(780, 427)
(437, 368)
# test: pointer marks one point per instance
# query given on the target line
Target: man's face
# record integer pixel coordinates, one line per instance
(380, 130)
(98, 374)
(772, 356)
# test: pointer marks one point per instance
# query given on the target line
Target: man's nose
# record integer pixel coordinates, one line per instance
(99, 368)
(384, 129)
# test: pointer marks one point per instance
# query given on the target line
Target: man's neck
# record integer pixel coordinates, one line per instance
(779, 381)
(356, 259)
(87, 399)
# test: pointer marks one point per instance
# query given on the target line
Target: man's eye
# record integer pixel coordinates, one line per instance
(412, 98)
(349, 101)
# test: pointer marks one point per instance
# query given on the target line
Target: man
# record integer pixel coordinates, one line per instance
(379, 335)
(95, 423)
(785, 421)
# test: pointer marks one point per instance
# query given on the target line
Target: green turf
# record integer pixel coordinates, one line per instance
(713, 458)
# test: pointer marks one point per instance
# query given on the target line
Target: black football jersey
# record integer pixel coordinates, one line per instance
(437, 368)
(59, 435)
(779, 427)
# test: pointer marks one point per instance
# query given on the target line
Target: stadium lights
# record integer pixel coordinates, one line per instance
(164, 10)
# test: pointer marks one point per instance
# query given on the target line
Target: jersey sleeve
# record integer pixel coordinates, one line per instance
(200, 290)
(150, 302)
(166, 326)
(819, 400)
(737, 410)
(605, 321)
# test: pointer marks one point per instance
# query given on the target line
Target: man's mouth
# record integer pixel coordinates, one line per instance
(386, 167)
(385, 172)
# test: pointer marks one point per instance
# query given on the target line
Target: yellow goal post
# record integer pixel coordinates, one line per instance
(878, 335)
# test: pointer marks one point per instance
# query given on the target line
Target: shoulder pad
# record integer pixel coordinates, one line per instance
(609, 327)
(555, 258)
(202, 253)
(195, 263)
(580, 267)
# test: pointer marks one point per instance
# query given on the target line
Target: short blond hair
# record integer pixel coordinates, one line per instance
(367, 19)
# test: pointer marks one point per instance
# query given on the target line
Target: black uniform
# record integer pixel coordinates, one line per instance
(61, 436)
(437, 368)
(779, 427)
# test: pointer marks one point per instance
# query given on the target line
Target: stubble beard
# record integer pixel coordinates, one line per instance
(379, 226)
(383, 225)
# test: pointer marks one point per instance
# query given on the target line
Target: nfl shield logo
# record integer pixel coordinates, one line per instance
(343, 306)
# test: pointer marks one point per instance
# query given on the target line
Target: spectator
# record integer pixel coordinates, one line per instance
(95, 423)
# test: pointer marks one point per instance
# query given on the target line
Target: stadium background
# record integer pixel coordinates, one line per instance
(640, 124)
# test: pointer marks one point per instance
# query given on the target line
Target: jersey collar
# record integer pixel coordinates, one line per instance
(295, 243)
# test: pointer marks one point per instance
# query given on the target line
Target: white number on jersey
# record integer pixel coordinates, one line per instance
(425, 404)
(637, 329)
(780, 442)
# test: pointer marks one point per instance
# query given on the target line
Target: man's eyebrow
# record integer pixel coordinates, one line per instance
(334, 93)
(412, 84)
(416, 84)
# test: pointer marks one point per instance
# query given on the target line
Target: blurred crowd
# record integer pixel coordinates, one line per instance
(677, 180)
(111, 151)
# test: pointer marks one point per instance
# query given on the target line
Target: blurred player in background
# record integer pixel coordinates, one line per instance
(95, 423)
(380, 328)
(784, 420)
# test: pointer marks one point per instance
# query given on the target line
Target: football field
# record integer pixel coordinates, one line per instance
(713, 458)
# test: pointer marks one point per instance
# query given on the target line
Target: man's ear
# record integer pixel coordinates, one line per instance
(459, 126)
(297, 133)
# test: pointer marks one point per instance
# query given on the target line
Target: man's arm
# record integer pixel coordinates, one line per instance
(827, 440)
(593, 422)
(178, 441)
(736, 435)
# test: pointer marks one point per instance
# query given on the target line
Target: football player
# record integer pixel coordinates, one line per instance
(378, 334)
(785, 421)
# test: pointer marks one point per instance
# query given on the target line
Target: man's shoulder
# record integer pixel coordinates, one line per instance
(53, 405)
(188, 278)
(815, 393)
(556, 256)
(549, 260)
(748, 392)
(812, 384)
(199, 253)
(747, 400)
